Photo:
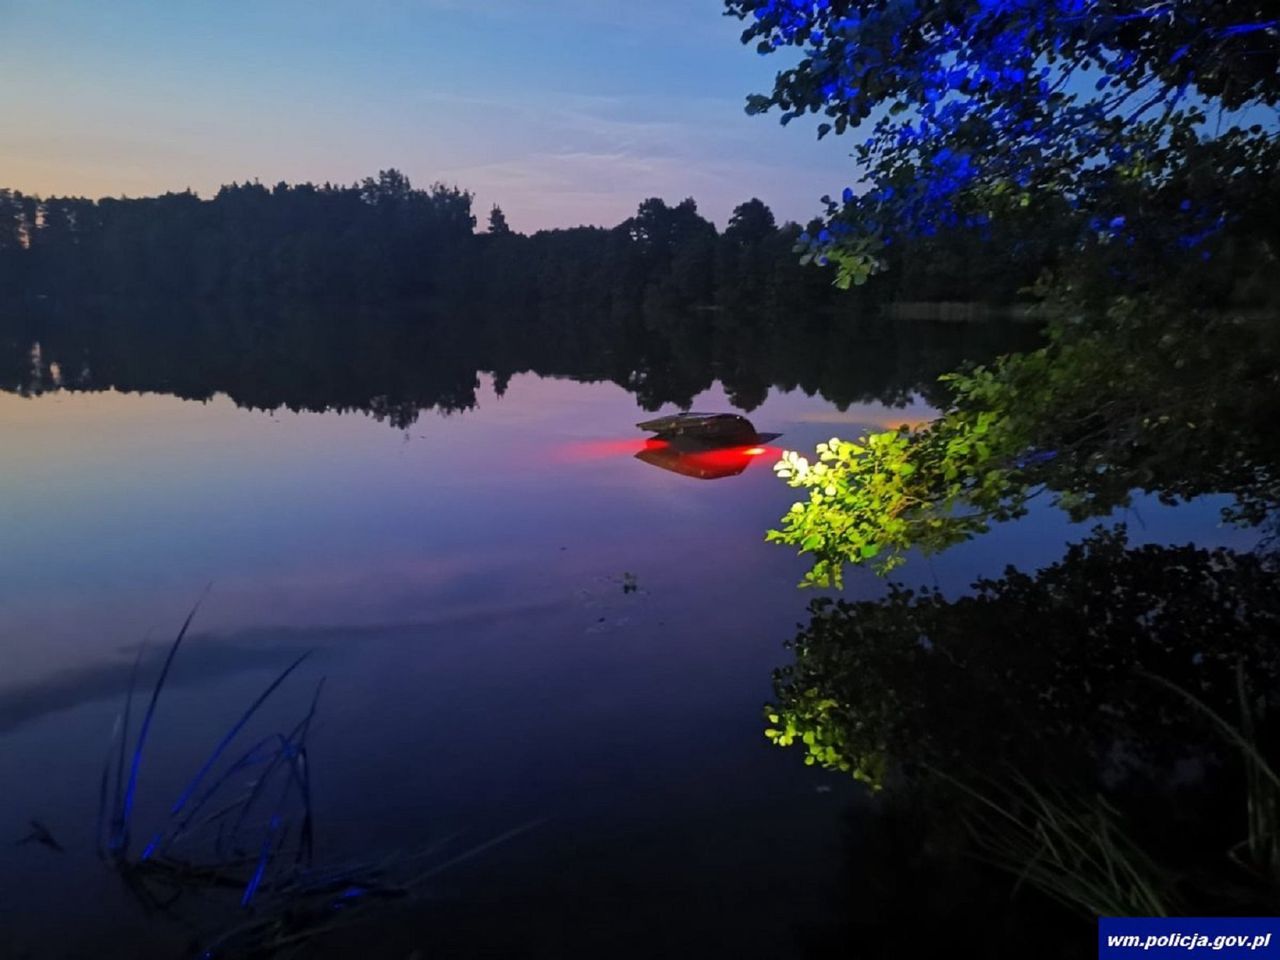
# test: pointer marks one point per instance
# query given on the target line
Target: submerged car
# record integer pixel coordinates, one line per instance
(707, 446)
(703, 430)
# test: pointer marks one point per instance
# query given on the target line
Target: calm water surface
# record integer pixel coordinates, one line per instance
(464, 585)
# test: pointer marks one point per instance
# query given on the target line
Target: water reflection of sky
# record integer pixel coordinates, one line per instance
(116, 511)
(462, 584)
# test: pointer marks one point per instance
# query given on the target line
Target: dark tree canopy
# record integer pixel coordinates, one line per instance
(498, 222)
(751, 222)
(379, 240)
(1126, 115)
(384, 239)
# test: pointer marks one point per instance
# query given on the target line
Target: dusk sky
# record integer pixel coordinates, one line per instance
(561, 111)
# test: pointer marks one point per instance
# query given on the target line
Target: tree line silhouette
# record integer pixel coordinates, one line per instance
(383, 239)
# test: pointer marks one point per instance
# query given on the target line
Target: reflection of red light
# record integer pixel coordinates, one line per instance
(582, 450)
(718, 461)
(703, 464)
(723, 457)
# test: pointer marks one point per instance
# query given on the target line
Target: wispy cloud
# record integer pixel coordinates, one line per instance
(674, 19)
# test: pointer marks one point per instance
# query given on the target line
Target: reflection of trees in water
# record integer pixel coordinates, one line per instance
(395, 363)
(1156, 397)
(1074, 702)
(1037, 668)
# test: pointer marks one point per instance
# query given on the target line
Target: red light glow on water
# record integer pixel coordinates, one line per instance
(578, 451)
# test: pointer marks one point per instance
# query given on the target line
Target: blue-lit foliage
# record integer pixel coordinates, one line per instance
(1115, 114)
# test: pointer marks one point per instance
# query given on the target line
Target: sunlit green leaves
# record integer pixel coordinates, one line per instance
(871, 501)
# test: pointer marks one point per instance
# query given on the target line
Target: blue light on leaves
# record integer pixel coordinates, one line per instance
(976, 110)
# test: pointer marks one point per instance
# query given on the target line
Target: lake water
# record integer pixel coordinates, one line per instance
(519, 624)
